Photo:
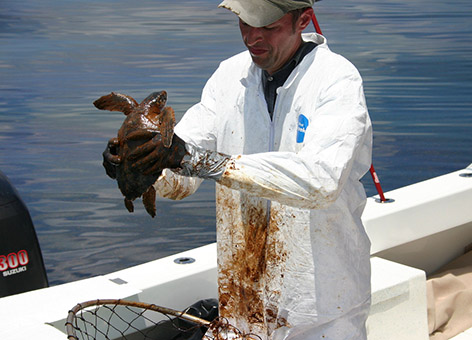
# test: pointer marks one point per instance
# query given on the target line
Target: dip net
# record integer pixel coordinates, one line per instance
(130, 320)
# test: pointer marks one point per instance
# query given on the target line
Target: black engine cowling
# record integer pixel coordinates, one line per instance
(21, 262)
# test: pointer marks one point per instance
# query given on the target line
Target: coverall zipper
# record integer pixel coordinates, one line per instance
(271, 148)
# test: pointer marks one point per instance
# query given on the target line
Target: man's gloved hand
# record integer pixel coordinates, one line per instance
(185, 159)
(110, 158)
(152, 157)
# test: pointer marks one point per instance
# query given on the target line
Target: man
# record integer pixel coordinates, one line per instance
(284, 130)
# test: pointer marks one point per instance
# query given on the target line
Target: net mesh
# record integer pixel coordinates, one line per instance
(129, 320)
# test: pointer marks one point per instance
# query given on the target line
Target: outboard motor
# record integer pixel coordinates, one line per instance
(21, 262)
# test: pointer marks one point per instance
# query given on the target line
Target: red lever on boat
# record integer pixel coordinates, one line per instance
(377, 183)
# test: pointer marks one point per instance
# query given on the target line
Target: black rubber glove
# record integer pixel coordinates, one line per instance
(152, 157)
(111, 160)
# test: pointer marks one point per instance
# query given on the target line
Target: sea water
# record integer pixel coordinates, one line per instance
(57, 57)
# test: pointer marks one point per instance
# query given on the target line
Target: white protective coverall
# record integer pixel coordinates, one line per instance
(293, 256)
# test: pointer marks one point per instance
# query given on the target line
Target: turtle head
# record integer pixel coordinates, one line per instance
(155, 101)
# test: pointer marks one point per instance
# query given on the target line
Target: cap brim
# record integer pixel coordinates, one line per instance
(255, 13)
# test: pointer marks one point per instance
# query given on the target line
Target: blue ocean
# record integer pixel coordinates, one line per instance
(57, 57)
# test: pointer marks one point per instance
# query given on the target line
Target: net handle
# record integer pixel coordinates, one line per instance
(99, 302)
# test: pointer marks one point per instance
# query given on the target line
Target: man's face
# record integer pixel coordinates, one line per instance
(273, 45)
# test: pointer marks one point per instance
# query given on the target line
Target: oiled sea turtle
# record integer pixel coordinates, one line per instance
(142, 122)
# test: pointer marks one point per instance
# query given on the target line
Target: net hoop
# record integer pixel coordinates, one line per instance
(83, 319)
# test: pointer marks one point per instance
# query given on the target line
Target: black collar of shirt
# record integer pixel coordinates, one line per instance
(272, 82)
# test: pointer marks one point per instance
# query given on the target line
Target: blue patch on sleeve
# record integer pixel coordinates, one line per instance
(301, 128)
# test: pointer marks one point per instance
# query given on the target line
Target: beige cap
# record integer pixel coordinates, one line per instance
(259, 13)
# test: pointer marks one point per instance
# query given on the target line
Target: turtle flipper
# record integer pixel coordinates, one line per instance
(129, 205)
(116, 102)
(149, 201)
(166, 126)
